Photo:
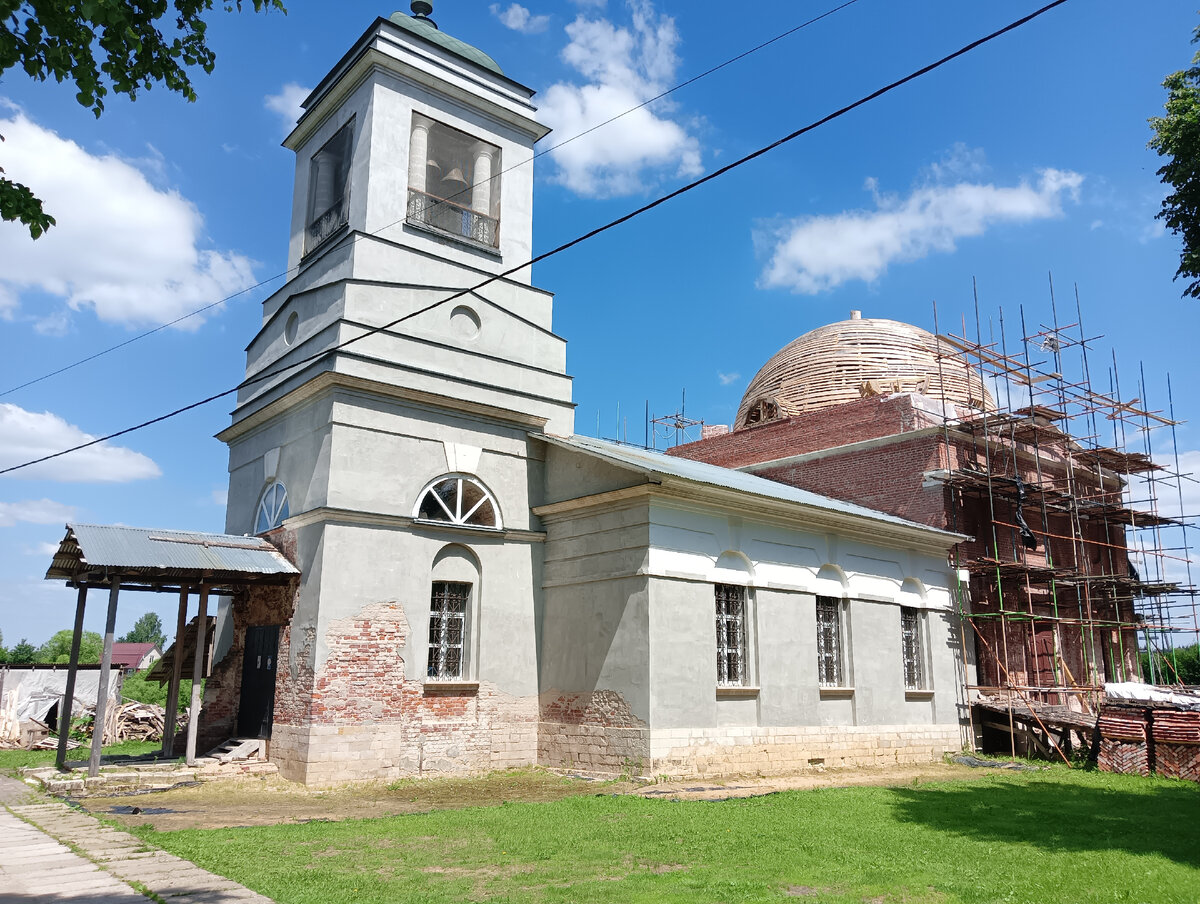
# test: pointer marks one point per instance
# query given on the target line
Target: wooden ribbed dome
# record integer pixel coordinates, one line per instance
(854, 358)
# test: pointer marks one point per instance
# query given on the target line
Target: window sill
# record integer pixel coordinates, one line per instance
(832, 692)
(464, 688)
(463, 240)
(918, 694)
(735, 691)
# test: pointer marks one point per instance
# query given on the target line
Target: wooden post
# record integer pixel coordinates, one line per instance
(197, 676)
(110, 627)
(68, 700)
(168, 747)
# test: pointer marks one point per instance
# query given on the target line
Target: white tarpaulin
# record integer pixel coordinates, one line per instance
(1148, 693)
(37, 690)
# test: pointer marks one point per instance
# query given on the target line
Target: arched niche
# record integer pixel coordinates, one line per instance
(831, 581)
(733, 568)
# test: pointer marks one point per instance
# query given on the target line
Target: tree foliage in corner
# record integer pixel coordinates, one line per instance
(147, 629)
(1177, 138)
(123, 46)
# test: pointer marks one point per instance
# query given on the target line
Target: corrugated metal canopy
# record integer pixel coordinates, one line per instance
(96, 553)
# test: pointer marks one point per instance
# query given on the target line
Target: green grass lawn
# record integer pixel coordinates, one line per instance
(12, 760)
(1053, 836)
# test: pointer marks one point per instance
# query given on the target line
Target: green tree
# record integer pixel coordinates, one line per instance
(138, 687)
(147, 629)
(23, 653)
(1177, 138)
(1178, 666)
(58, 647)
(123, 46)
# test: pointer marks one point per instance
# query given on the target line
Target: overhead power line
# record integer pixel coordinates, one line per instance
(658, 202)
(541, 153)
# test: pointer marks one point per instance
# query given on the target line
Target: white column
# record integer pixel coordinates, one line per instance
(418, 156)
(481, 188)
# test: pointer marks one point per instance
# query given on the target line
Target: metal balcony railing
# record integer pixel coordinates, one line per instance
(447, 216)
(327, 224)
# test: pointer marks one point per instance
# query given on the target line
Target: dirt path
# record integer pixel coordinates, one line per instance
(243, 802)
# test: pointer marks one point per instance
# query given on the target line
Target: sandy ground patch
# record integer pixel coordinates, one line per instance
(272, 801)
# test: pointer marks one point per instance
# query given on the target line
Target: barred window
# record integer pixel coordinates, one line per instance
(447, 629)
(731, 634)
(914, 654)
(830, 655)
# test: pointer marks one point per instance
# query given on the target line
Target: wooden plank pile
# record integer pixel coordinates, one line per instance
(1177, 744)
(131, 721)
(1123, 746)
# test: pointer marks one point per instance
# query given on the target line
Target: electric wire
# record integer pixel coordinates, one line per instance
(541, 153)
(587, 236)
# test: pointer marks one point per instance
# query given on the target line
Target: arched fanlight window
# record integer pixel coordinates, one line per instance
(272, 509)
(455, 499)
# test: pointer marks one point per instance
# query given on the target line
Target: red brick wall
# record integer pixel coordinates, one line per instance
(849, 423)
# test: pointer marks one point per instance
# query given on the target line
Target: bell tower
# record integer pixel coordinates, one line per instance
(384, 432)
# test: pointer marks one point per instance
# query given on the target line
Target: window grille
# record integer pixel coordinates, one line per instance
(328, 188)
(914, 658)
(830, 671)
(458, 500)
(272, 509)
(447, 629)
(731, 634)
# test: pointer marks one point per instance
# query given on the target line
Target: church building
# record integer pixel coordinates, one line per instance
(480, 587)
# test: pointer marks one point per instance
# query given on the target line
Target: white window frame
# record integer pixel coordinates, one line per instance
(838, 637)
(441, 645)
(274, 510)
(455, 515)
(914, 648)
(737, 623)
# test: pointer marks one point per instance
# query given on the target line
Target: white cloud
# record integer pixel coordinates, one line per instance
(726, 379)
(220, 497)
(624, 67)
(26, 435)
(814, 254)
(122, 247)
(44, 549)
(286, 104)
(36, 511)
(518, 18)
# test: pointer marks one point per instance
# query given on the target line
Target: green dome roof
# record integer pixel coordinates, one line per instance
(424, 28)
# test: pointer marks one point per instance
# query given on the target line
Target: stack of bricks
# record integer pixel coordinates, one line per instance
(1176, 736)
(1123, 739)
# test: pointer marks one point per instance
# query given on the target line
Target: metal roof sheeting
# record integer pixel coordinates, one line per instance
(119, 549)
(657, 463)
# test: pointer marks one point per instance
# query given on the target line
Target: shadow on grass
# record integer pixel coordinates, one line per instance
(1056, 816)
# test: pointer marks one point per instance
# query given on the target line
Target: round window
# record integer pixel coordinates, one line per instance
(291, 328)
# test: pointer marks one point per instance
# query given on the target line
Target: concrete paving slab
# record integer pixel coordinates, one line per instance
(36, 865)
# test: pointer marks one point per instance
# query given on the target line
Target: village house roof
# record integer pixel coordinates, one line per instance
(130, 655)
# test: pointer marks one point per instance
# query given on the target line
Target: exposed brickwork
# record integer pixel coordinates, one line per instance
(594, 732)
(840, 425)
(364, 718)
(254, 606)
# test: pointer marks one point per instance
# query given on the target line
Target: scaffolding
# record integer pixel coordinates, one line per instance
(1074, 497)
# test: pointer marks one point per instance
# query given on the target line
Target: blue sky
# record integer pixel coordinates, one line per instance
(1025, 158)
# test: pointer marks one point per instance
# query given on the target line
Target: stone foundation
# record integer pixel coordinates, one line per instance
(713, 752)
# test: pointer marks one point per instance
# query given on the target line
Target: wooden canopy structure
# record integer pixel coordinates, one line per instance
(160, 561)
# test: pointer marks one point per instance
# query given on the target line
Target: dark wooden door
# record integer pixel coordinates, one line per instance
(257, 704)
